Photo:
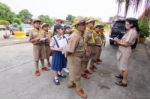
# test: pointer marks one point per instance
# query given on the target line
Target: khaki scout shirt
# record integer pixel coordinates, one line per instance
(34, 33)
(89, 37)
(76, 44)
(48, 37)
(98, 39)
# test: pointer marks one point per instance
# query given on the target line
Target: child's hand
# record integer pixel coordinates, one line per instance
(60, 49)
(116, 39)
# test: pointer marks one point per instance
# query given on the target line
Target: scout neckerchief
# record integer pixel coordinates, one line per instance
(49, 34)
(92, 32)
(40, 33)
(80, 34)
(100, 38)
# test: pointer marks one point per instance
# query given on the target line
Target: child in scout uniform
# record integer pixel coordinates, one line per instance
(58, 45)
(67, 31)
(75, 54)
(102, 37)
(47, 34)
(98, 42)
(90, 42)
(125, 50)
(37, 38)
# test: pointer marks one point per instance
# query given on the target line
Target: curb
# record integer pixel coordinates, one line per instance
(14, 42)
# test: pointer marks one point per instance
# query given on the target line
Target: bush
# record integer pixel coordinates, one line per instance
(144, 27)
(4, 22)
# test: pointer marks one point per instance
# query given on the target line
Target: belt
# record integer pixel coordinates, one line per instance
(98, 45)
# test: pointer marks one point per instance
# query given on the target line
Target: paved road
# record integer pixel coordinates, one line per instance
(17, 80)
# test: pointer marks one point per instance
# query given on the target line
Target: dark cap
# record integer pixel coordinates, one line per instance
(66, 27)
(57, 26)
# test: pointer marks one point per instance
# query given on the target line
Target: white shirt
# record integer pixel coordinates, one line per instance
(62, 42)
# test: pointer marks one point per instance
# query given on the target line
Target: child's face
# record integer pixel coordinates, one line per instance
(60, 31)
(68, 30)
(102, 30)
(91, 24)
(46, 28)
(97, 29)
(37, 25)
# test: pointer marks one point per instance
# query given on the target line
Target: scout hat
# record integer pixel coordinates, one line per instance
(78, 20)
(90, 20)
(36, 20)
(57, 26)
(44, 25)
(98, 25)
(60, 20)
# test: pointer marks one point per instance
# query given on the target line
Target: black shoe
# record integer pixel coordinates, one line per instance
(121, 84)
(62, 76)
(56, 81)
(119, 76)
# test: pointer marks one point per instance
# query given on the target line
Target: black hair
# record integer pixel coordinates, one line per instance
(134, 22)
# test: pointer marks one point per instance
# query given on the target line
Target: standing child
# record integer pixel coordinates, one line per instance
(37, 38)
(58, 44)
(47, 34)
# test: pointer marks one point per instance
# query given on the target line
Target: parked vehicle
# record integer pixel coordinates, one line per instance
(117, 30)
(26, 28)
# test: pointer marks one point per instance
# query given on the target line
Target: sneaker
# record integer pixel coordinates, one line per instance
(119, 76)
(45, 68)
(93, 69)
(37, 73)
(85, 76)
(66, 70)
(81, 93)
(62, 76)
(56, 82)
(87, 72)
(120, 83)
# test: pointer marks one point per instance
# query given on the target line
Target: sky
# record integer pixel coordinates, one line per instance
(61, 8)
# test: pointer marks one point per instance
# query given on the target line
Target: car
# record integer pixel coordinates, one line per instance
(4, 32)
(117, 30)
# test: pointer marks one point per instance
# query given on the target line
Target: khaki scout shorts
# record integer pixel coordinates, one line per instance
(39, 52)
(48, 51)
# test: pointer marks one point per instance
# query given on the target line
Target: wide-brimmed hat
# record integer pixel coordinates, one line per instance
(36, 20)
(61, 20)
(78, 20)
(90, 20)
(44, 25)
(98, 25)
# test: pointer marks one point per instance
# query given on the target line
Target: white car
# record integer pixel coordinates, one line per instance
(4, 32)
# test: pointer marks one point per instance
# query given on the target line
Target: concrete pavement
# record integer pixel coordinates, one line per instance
(12, 41)
(17, 80)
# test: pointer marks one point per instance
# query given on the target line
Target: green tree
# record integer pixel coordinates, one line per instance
(6, 13)
(4, 22)
(25, 16)
(70, 18)
(17, 20)
(46, 19)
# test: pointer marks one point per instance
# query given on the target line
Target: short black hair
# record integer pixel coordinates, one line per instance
(134, 22)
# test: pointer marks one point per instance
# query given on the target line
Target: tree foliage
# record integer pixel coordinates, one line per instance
(25, 16)
(46, 19)
(144, 27)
